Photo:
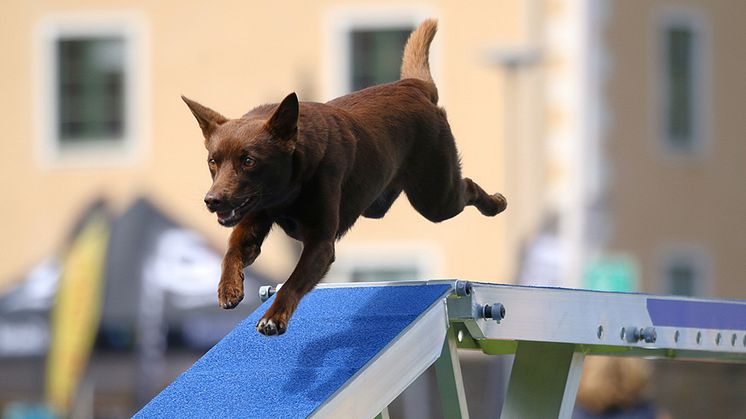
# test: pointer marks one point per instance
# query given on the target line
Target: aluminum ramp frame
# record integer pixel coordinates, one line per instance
(362, 344)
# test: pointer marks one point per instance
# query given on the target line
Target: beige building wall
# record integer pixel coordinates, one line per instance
(660, 202)
(233, 56)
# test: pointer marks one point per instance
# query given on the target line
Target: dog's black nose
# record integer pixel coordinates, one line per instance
(213, 201)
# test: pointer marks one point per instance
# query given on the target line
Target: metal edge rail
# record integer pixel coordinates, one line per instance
(387, 375)
(600, 322)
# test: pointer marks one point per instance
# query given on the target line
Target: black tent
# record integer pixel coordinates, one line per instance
(159, 294)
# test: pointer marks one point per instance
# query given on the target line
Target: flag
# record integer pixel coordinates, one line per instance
(77, 310)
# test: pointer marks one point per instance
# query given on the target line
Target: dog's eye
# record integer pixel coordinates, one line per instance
(211, 162)
(248, 161)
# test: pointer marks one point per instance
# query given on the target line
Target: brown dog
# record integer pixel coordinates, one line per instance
(314, 168)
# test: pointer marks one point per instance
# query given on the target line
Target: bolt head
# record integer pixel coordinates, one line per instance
(265, 292)
(649, 335)
(494, 311)
(631, 334)
(463, 288)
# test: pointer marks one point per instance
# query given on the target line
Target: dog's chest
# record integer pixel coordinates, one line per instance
(290, 226)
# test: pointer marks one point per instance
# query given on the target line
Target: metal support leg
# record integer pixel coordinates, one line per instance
(450, 384)
(384, 414)
(544, 381)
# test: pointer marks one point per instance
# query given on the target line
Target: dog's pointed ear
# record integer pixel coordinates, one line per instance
(284, 121)
(207, 118)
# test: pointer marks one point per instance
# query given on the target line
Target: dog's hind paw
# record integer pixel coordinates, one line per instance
(492, 205)
(500, 202)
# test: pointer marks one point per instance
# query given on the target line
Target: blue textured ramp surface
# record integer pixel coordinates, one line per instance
(332, 335)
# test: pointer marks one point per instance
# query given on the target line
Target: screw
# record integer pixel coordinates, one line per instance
(463, 288)
(635, 334)
(631, 334)
(265, 292)
(494, 311)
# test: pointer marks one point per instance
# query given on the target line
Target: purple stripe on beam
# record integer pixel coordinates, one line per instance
(697, 314)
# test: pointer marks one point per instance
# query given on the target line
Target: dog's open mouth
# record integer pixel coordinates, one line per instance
(232, 217)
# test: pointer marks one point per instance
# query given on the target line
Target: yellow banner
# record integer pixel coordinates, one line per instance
(76, 313)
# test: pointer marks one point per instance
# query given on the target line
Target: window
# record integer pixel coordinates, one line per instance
(90, 90)
(376, 55)
(682, 277)
(384, 273)
(90, 104)
(364, 45)
(681, 61)
(685, 272)
(385, 261)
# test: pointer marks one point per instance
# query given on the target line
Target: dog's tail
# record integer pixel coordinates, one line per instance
(415, 63)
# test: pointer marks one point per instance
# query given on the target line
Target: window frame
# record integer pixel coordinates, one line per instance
(701, 79)
(340, 23)
(129, 149)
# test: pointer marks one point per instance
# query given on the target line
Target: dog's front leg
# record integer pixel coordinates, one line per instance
(315, 260)
(244, 246)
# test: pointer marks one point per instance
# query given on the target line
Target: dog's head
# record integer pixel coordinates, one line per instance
(250, 159)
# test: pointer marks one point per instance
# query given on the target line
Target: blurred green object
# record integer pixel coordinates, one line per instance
(616, 273)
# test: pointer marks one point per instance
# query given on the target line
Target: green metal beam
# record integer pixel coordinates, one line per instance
(384, 414)
(544, 381)
(450, 384)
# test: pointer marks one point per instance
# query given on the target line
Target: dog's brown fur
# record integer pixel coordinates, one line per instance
(314, 168)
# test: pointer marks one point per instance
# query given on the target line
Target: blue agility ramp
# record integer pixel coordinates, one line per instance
(334, 334)
(350, 349)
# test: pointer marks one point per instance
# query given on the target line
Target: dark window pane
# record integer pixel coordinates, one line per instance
(376, 56)
(91, 89)
(680, 80)
(682, 277)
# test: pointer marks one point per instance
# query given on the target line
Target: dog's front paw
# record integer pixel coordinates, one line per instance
(274, 325)
(230, 293)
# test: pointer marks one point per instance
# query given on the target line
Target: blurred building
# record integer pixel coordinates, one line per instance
(95, 110)
(640, 136)
(674, 143)
(613, 127)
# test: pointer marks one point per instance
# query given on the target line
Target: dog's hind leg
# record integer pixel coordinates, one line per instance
(489, 205)
(435, 188)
